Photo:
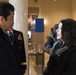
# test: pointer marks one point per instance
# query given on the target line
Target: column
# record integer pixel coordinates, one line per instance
(21, 19)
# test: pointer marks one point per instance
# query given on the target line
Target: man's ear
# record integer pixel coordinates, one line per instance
(1, 20)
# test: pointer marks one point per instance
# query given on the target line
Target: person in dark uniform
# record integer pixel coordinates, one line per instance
(52, 39)
(63, 59)
(17, 42)
(8, 62)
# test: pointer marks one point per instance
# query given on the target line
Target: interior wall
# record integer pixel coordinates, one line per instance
(52, 12)
(4, 0)
(73, 9)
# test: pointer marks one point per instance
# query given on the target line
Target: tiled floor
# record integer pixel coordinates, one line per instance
(33, 69)
(37, 70)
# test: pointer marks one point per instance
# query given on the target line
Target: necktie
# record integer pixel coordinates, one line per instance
(11, 36)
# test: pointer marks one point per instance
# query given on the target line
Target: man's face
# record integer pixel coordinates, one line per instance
(8, 22)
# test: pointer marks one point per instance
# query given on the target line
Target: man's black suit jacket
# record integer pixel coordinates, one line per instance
(18, 44)
(8, 62)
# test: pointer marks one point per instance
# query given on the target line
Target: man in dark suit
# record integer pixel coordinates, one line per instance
(8, 62)
(17, 41)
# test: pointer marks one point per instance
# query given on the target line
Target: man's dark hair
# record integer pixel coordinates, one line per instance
(69, 31)
(5, 9)
(54, 30)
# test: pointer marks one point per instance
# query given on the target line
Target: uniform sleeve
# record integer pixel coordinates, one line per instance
(23, 55)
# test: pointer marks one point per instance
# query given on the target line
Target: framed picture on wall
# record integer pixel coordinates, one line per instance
(32, 21)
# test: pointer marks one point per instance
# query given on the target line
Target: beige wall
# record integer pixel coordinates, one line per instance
(73, 2)
(4, 0)
(52, 11)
